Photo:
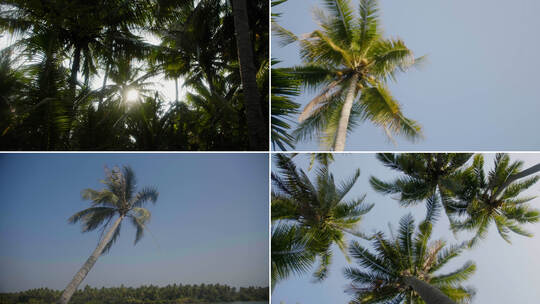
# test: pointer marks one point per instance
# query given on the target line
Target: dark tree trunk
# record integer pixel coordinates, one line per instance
(428, 293)
(257, 131)
(74, 70)
(512, 178)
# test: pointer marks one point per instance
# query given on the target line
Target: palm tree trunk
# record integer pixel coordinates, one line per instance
(74, 69)
(258, 137)
(81, 274)
(73, 93)
(532, 170)
(428, 293)
(345, 114)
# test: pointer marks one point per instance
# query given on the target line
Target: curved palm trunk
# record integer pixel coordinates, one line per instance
(81, 274)
(345, 114)
(255, 121)
(428, 293)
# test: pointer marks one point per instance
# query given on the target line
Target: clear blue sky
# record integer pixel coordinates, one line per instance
(505, 273)
(210, 222)
(477, 91)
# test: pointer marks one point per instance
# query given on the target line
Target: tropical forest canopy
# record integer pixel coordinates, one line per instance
(203, 293)
(85, 75)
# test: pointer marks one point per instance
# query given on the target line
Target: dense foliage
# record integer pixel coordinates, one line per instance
(144, 294)
(472, 199)
(405, 254)
(84, 75)
(309, 217)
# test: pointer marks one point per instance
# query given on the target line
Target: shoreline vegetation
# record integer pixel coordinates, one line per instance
(148, 294)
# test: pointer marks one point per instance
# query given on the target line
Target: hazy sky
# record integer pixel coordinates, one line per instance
(478, 88)
(209, 225)
(505, 273)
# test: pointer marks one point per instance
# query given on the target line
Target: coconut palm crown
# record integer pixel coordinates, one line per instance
(119, 198)
(319, 211)
(495, 198)
(428, 177)
(348, 60)
(393, 272)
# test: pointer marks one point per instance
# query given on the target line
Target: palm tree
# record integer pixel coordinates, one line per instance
(404, 269)
(219, 114)
(428, 177)
(119, 198)
(495, 198)
(319, 211)
(257, 131)
(347, 60)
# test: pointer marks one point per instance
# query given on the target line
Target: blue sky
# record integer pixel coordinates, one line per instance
(505, 273)
(478, 89)
(209, 225)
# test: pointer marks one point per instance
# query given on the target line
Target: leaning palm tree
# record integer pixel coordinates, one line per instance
(404, 269)
(319, 211)
(348, 60)
(495, 198)
(427, 177)
(118, 199)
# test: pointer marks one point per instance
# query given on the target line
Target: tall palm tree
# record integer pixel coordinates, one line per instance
(427, 177)
(346, 60)
(404, 269)
(118, 199)
(258, 136)
(319, 210)
(495, 198)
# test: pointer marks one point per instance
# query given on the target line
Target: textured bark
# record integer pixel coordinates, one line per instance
(257, 131)
(81, 274)
(428, 293)
(345, 114)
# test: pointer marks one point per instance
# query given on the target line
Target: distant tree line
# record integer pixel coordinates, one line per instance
(176, 293)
